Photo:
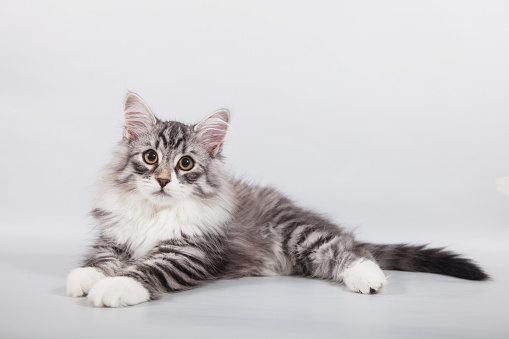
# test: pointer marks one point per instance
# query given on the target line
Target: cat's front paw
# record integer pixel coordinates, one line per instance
(117, 292)
(81, 280)
(364, 276)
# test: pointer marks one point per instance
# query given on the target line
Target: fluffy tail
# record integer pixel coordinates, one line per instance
(402, 257)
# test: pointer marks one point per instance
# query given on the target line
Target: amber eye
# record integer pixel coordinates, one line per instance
(150, 157)
(186, 163)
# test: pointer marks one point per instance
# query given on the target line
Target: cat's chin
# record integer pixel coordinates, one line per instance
(161, 198)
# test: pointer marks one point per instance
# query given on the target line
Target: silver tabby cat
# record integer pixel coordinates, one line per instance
(171, 218)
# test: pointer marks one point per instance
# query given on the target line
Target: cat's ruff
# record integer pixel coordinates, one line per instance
(171, 218)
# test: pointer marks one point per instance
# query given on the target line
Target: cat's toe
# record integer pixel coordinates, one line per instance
(81, 280)
(364, 276)
(118, 292)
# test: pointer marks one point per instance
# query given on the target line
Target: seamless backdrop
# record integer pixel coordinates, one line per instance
(390, 117)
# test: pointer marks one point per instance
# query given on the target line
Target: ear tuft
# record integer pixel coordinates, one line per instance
(139, 119)
(211, 131)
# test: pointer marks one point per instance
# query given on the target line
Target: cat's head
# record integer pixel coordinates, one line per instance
(167, 161)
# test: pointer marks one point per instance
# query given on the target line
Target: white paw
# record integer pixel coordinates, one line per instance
(117, 292)
(81, 280)
(364, 276)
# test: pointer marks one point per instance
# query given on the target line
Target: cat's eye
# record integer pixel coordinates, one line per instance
(186, 163)
(150, 157)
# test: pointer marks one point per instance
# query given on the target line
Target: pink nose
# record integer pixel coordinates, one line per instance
(163, 181)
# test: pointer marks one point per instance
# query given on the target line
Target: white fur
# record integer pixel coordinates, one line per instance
(140, 223)
(117, 292)
(81, 280)
(364, 275)
(142, 226)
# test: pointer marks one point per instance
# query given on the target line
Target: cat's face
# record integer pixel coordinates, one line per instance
(166, 162)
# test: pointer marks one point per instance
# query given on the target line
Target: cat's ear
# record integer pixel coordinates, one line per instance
(139, 119)
(210, 132)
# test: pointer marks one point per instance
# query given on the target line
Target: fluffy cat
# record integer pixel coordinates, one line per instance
(171, 218)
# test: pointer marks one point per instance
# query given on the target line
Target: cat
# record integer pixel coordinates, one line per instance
(171, 218)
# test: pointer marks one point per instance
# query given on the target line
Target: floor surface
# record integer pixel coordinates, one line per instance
(414, 305)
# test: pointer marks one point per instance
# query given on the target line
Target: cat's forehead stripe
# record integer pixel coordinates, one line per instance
(173, 135)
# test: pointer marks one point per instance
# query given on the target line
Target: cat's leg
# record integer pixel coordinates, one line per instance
(322, 250)
(168, 268)
(99, 278)
(103, 260)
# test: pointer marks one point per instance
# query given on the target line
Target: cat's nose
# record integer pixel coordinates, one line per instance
(163, 181)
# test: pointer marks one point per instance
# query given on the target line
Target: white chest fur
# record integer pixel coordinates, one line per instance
(142, 227)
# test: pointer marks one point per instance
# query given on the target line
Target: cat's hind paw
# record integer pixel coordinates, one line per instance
(117, 292)
(364, 276)
(81, 280)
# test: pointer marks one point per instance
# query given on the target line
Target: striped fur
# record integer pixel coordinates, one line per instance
(201, 224)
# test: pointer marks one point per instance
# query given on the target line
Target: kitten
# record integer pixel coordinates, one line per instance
(171, 218)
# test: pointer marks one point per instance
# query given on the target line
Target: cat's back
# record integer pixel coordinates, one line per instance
(259, 204)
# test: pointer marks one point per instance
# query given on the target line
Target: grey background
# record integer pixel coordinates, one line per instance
(390, 117)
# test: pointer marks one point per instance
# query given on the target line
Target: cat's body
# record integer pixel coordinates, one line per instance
(171, 218)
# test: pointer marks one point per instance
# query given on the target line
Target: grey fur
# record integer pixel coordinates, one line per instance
(263, 233)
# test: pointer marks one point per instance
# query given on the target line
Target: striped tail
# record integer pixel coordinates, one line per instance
(402, 257)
